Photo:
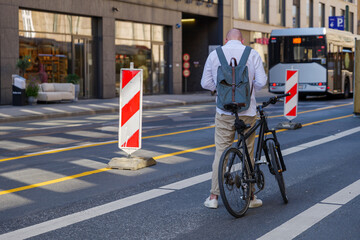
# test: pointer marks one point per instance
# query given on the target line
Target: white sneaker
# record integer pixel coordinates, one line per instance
(255, 203)
(213, 203)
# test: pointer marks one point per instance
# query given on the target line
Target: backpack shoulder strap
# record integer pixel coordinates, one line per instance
(221, 56)
(245, 56)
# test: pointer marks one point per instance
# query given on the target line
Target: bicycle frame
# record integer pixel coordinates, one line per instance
(261, 146)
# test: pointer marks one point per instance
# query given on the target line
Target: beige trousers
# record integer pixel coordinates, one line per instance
(224, 138)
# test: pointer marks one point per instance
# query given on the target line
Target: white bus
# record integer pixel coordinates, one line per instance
(324, 58)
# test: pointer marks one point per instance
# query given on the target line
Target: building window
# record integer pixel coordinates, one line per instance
(310, 13)
(144, 45)
(264, 11)
(281, 13)
(296, 13)
(54, 43)
(332, 11)
(242, 9)
(351, 22)
(322, 14)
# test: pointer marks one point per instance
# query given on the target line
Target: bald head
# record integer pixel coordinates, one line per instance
(234, 34)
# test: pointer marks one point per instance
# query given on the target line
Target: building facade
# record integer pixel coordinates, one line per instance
(257, 18)
(95, 39)
(358, 21)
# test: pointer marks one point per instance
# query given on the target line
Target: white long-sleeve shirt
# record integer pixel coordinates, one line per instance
(257, 76)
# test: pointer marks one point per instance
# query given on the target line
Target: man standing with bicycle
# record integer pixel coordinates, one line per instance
(224, 121)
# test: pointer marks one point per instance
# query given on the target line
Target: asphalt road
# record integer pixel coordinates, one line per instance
(54, 183)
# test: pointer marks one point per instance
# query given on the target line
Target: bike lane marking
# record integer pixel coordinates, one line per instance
(308, 218)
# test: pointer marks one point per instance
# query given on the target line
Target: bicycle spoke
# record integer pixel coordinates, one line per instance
(234, 182)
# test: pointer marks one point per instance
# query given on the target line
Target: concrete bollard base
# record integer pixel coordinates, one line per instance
(130, 163)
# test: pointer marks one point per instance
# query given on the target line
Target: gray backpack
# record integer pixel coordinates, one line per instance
(232, 83)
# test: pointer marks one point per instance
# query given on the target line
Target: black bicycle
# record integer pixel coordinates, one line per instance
(236, 173)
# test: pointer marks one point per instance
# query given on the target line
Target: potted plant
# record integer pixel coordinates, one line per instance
(32, 91)
(74, 79)
(23, 63)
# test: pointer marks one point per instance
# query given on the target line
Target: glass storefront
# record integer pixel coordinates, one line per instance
(144, 45)
(58, 45)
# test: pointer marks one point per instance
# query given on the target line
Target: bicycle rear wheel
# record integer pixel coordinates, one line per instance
(276, 167)
(234, 182)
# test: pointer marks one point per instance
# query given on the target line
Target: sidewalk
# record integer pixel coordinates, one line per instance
(9, 113)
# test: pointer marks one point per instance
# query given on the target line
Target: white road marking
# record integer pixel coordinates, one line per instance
(30, 111)
(320, 141)
(314, 214)
(54, 109)
(31, 176)
(98, 105)
(307, 218)
(4, 115)
(10, 145)
(89, 134)
(83, 215)
(83, 108)
(109, 129)
(112, 104)
(47, 139)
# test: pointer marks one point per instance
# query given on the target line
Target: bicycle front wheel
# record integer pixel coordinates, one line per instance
(276, 168)
(234, 182)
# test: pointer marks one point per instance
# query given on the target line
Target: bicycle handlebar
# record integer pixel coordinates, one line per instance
(274, 100)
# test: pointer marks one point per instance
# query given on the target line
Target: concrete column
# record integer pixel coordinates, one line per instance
(288, 13)
(227, 17)
(9, 49)
(303, 17)
(177, 58)
(107, 76)
(357, 80)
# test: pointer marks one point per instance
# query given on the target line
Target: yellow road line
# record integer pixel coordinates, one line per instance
(184, 151)
(327, 120)
(315, 110)
(53, 181)
(156, 158)
(154, 136)
(174, 133)
(57, 151)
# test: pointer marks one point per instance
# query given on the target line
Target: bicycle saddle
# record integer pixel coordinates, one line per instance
(233, 107)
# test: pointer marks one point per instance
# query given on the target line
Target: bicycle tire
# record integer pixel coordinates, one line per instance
(276, 167)
(234, 185)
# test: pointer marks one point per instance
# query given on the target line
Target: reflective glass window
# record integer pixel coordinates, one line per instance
(47, 39)
(142, 44)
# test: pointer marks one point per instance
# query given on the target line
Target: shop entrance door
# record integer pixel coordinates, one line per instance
(158, 69)
(83, 65)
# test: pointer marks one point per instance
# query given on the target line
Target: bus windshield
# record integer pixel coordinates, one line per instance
(297, 49)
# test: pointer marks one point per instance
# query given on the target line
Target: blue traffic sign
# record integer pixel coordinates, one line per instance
(337, 22)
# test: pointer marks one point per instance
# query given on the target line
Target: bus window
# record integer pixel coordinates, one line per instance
(276, 50)
(300, 54)
(310, 54)
(309, 49)
(348, 60)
